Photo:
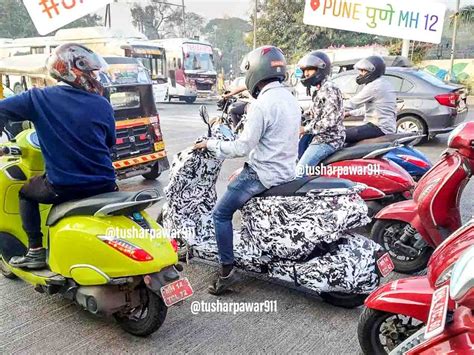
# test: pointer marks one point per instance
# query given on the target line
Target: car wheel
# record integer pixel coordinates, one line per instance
(190, 99)
(413, 124)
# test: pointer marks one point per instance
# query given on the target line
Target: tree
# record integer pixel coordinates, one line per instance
(228, 34)
(153, 20)
(466, 16)
(194, 24)
(16, 22)
(283, 26)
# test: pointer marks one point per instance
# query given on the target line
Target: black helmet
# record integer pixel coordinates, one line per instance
(315, 60)
(263, 64)
(375, 67)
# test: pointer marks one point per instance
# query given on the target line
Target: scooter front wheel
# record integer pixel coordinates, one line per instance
(145, 319)
(380, 332)
(345, 300)
(4, 269)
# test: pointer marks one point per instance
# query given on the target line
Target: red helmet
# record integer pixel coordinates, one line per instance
(76, 65)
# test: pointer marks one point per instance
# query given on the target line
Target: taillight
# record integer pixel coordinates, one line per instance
(155, 122)
(128, 249)
(371, 193)
(450, 99)
(174, 244)
(415, 161)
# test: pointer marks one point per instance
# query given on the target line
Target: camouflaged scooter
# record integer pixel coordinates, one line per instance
(295, 233)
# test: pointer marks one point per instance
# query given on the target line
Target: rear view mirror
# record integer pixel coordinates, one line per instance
(204, 114)
(205, 117)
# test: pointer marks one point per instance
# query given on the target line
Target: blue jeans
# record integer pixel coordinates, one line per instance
(245, 186)
(313, 156)
(366, 131)
(304, 143)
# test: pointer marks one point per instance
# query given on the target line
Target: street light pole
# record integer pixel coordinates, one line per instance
(455, 34)
(255, 25)
(184, 18)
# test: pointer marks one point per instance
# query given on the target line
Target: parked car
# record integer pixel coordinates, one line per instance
(426, 105)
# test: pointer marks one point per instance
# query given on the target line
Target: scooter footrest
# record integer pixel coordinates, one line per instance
(52, 278)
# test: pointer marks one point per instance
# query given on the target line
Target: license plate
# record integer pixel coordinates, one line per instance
(176, 291)
(159, 146)
(385, 264)
(438, 312)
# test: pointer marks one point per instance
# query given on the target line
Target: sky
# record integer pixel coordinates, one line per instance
(216, 8)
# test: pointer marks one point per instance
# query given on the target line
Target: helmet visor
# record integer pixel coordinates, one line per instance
(311, 61)
(244, 66)
(364, 64)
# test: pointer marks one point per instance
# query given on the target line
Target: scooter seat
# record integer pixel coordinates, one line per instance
(355, 152)
(299, 187)
(388, 138)
(89, 206)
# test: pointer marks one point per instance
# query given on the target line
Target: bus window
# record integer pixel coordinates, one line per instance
(37, 50)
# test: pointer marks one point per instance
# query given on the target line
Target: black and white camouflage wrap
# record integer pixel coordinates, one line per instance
(300, 239)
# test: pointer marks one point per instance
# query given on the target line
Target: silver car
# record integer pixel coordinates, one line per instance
(426, 105)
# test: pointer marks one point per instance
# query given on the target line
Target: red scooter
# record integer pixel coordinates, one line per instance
(387, 182)
(448, 332)
(397, 310)
(410, 230)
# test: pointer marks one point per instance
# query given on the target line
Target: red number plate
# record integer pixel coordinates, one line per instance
(385, 264)
(438, 312)
(176, 291)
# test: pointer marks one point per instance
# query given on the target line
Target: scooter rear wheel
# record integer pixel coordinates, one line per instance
(386, 233)
(380, 332)
(345, 300)
(6, 272)
(146, 319)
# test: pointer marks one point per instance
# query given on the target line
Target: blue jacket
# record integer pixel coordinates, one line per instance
(76, 130)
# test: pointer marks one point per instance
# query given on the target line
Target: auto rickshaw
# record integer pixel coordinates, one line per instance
(139, 149)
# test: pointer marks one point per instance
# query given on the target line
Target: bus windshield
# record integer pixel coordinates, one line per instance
(198, 57)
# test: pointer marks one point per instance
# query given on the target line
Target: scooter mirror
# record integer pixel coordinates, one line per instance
(204, 114)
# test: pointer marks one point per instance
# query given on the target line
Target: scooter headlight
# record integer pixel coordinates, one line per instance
(445, 276)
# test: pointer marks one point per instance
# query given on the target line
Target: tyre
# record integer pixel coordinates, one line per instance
(380, 332)
(413, 124)
(146, 319)
(6, 272)
(344, 300)
(387, 232)
(190, 99)
(154, 173)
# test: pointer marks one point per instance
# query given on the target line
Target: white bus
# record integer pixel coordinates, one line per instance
(191, 70)
(103, 41)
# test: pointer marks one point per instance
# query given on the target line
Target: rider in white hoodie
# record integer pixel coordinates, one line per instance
(270, 138)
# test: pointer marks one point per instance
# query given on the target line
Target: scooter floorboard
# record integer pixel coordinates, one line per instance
(266, 278)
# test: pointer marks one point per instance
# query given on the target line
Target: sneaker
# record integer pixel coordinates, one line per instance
(34, 259)
(222, 284)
